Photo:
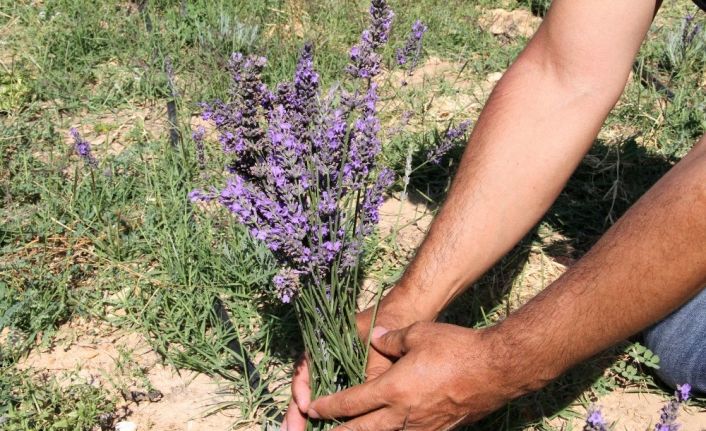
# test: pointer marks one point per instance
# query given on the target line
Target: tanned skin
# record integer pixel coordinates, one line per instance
(538, 123)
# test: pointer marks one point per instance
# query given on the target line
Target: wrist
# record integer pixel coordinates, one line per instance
(406, 304)
(398, 309)
(526, 363)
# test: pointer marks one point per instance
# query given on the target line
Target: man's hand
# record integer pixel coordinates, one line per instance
(393, 313)
(445, 375)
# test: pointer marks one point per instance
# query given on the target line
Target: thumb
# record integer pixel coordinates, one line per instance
(390, 343)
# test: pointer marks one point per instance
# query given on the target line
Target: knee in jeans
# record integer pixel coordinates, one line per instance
(678, 363)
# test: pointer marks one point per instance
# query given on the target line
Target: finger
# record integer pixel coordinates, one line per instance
(294, 420)
(354, 401)
(379, 420)
(301, 392)
(390, 343)
(377, 364)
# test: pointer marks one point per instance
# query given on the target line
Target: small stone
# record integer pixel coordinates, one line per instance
(126, 426)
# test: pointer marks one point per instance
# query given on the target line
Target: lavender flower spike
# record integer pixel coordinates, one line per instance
(365, 61)
(450, 139)
(668, 417)
(381, 21)
(683, 392)
(286, 284)
(409, 55)
(198, 136)
(595, 421)
(83, 149)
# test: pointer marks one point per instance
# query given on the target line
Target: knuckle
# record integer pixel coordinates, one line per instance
(417, 327)
(393, 392)
(416, 332)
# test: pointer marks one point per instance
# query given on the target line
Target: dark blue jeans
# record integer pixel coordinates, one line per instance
(680, 342)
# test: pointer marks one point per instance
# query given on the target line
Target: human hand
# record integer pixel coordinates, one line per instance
(391, 314)
(446, 375)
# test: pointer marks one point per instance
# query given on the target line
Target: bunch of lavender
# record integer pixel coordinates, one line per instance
(667, 419)
(304, 180)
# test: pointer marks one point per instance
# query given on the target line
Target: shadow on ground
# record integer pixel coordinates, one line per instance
(610, 178)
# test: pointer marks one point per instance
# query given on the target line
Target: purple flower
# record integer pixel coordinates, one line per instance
(595, 421)
(198, 136)
(668, 416)
(83, 148)
(380, 22)
(689, 31)
(365, 61)
(409, 55)
(451, 138)
(201, 196)
(693, 33)
(306, 86)
(286, 284)
(683, 392)
(239, 120)
(364, 144)
(373, 200)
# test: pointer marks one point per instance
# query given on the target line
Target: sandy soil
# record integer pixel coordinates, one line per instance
(121, 362)
(633, 411)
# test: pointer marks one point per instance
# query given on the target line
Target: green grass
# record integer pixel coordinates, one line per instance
(76, 242)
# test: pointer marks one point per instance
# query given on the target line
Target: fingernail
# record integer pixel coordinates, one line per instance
(313, 414)
(379, 331)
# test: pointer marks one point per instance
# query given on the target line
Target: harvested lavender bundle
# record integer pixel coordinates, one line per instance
(305, 182)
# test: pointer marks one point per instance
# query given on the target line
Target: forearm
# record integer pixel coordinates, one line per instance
(650, 262)
(538, 123)
(529, 139)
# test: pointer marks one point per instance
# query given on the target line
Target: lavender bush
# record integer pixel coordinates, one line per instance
(683, 42)
(408, 57)
(305, 181)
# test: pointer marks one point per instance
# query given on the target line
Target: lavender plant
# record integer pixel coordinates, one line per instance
(408, 57)
(304, 180)
(687, 39)
(595, 421)
(667, 419)
(668, 416)
(83, 149)
(451, 138)
(198, 136)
